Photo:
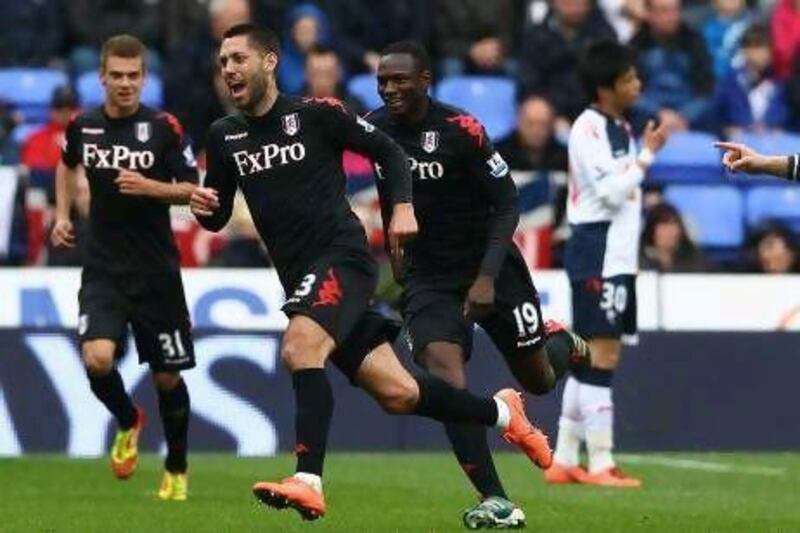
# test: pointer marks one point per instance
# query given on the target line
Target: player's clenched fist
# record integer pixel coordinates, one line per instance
(402, 227)
(62, 235)
(204, 202)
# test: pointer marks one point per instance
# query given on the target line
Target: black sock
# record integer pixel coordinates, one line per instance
(175, 408)
(445, 403)
(472, 450)
(110, 390)
(314, 400)
(564, 355)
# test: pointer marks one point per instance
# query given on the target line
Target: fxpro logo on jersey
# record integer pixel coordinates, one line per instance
(117, 156)
(268, 156)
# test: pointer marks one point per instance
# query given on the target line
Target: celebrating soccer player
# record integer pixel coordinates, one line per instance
(137, 163)
(285, 154)
(604, 209)
(463, 266)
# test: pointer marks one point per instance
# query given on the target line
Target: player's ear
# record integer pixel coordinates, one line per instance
(270, 61)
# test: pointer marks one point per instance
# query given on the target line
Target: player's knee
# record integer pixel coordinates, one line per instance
(97, 362)
(399, 398)
(538, 385)
(166, 381)
(446, 365)
(299, 352)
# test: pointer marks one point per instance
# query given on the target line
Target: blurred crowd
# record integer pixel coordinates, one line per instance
(724, 67)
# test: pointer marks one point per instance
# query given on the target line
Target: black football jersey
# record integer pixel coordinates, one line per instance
(129, 232)
(464, 197)
(288, 165)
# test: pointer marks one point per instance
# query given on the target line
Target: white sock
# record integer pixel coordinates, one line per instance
(503, 414)
(570, 426)
(597, 409)
(310, 479)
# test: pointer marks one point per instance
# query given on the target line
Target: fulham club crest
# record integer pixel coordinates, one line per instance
(143, 131)
(430, 141)
(291, 124)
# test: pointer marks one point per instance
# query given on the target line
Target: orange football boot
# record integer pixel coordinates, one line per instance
(294, 493)
(125, 451)
(612, 477)
(522, 433)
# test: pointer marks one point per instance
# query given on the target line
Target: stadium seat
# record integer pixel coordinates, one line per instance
(776, 143)
(780, 203)
(21, 133)
(713, 213)
(688, 156)
(365, 88)
(493, 100)
(30, 90)
(92, 93)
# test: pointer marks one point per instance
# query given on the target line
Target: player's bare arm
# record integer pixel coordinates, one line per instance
(133, 183)
(204, 201)
(66, 184)
(402, 227)
(738, 157)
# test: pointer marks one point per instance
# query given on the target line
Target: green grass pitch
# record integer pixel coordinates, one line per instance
(402, 492)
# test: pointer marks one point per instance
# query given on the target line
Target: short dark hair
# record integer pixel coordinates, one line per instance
(602, 64)
(261, 38)
(122, 45)
(755, 35)
(321, 50)
(412, 48)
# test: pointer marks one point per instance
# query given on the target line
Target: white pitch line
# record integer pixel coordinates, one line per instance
(706, 466)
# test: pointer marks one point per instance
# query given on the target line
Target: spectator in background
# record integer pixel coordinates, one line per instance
(675, 68)
(785, 26)
(722, 31)
(193, 88)
(749, 97)
(625, 16)
(773, 250)
(323, 78)
(362, 29)
(306, 26)
(532, 146)
(91, 22)
(9, 119)
(31, 32)
(474, 36)
(666, 246)
(41, 151)
(550, 51)
(79, 214)
(243, 248)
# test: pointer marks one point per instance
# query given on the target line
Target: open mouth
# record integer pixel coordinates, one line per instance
(394, 103)
(237, 88)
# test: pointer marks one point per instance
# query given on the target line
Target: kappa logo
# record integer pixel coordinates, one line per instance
(430, 141)
(235, 136)
(331, 291)
(291, 124)
(143, 131)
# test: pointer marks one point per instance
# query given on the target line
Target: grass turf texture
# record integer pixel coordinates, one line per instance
(402, 492)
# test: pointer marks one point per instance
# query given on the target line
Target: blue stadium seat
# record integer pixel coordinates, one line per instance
(30, 90)
(688, 156)
(92, 93)
(770, 143)
(365, 88)
(21, 133)
(779, 202)
(493, 100)
(713, 214)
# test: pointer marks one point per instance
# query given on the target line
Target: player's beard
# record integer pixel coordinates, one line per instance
(257, 85)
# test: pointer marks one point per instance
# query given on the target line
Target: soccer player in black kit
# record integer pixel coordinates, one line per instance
(463, 267)
(285, 154)
(137, 163)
